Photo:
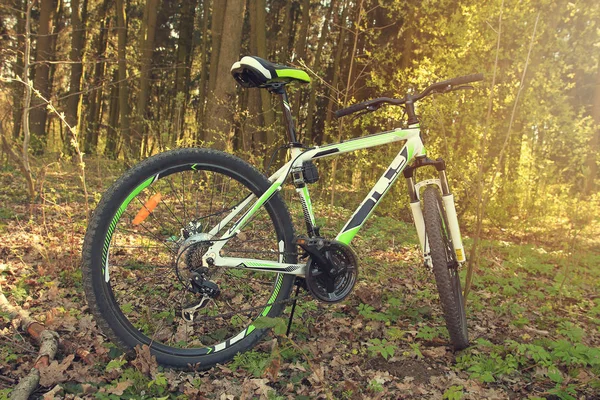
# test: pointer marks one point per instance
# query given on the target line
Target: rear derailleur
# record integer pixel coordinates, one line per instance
(201, 286)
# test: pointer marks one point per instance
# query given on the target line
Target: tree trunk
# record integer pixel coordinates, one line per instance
(265, 97)
(259, 101)
(591, 161)
(78, 12)
(41, 81)
(300, 53)
(57, 25)
(335, 69)
(221, 107)
(110, 150)
(123, 84)
(252, 98)
(351, 57)
(203, 71)
(184, 60)
(312, 100)
(95, 95)
(216, 33)
(18, 68)
(147, 48)
(285, 32)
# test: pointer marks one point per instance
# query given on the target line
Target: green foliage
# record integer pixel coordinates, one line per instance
(254, 362)
(4, 393)
(427, 332)
(487, 368)
(390, 314)
(564, 392)
(381, 347)
(375, 386)
(492, 362)
(115, 364)
(159, 384)
(416, 348)
(571, 331)
(453, 393)
(384, 232)
(279, 325)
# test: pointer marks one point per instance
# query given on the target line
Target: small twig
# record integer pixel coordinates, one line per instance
(72, 130)
(8, 380)
(48, 346)
(26, 386)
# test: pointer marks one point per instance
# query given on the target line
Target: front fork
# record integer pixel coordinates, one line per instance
(447, 199)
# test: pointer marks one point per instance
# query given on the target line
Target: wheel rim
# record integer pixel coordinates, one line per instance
(145, 261)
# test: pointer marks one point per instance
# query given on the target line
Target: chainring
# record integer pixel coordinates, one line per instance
(336, 284)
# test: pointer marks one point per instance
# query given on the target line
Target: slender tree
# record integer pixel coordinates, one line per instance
(286, 30)
(123, 84)
(221, 106)
(95, 95)
(336, 65)
(78, 22)
(147, 39)
(203, 70)
(591, 161)
(316, 67)
(300, 52)
(183, 65)
(41, 81)
(216, 32)
(112, 134)
(20, 8)
(259, 101)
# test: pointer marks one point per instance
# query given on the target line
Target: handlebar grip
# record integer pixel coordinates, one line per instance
(352, 109)
(464, 79)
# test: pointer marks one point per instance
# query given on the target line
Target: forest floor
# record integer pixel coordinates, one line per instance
(534, 319)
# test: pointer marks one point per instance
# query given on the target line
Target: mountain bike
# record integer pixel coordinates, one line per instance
(189, 248)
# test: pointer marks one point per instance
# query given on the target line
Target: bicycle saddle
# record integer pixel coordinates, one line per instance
(252, 71)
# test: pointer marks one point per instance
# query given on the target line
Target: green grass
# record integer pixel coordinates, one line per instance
(533, 312)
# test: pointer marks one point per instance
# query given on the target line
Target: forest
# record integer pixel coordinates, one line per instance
(88, 88)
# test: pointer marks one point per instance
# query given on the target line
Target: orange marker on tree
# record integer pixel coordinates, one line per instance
(147, 209)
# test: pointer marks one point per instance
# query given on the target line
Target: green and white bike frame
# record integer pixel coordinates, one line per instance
(412, 149)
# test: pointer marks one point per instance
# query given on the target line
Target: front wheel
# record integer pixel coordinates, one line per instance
(143, 270)
(445, 267)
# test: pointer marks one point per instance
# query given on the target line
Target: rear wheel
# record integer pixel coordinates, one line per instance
(445, 267)
(144, 247)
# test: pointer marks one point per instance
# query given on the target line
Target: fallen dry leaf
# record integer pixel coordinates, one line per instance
(52, 394)
(144, 361)
(55, 372)
(120, 388)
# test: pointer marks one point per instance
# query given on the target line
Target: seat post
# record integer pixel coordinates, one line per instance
(287, 113)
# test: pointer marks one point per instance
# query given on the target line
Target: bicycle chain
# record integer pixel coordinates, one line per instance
(247, 310)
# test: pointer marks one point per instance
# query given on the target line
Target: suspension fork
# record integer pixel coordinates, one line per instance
(447, 199)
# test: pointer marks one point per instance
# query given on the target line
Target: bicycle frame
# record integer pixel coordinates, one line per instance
(411, 149)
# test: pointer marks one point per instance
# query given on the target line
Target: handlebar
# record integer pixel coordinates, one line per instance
(439, 87)
(370, 105)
